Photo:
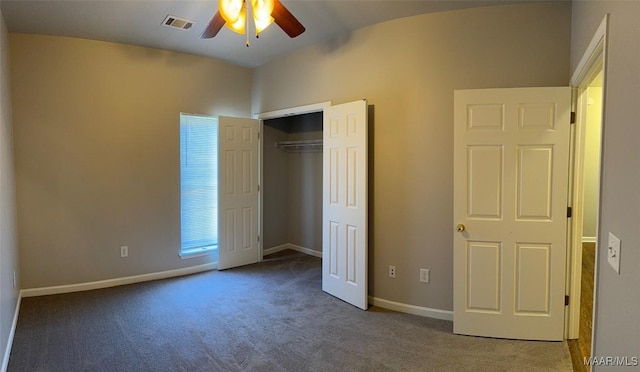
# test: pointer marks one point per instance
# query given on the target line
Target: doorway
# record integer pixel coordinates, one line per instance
(590, 197)
(588, 139)
(292, 184)
(589, 81)
(344, 196)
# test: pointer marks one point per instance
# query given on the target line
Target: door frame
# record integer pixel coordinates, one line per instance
(593, 60)
(276, 114)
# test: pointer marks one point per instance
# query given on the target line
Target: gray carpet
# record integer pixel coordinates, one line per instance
(271, 316)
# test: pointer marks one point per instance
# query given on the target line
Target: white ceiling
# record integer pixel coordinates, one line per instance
(139, 22)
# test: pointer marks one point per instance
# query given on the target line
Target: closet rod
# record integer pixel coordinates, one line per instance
(300, 146)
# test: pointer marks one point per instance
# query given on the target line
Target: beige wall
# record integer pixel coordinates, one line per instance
(408, 70)
(97, 153)
(617, 328)
(8, 242)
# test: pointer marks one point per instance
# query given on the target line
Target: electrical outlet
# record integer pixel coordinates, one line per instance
(424, 275)
(392, 271)
(124, 251)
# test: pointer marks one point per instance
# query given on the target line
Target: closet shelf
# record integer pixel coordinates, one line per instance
(300, 146)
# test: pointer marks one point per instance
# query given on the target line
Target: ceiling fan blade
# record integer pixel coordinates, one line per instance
(213, 27)
(287, 22)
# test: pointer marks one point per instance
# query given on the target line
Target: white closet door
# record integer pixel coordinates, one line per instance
(344, 222)
(237, 192)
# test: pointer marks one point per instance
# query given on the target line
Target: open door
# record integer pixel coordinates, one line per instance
(344, 221)
(511, 162)
(237, 192)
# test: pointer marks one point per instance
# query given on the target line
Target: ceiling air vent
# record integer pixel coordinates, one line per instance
(178, 22)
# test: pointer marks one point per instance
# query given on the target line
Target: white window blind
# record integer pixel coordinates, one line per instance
(198, 182)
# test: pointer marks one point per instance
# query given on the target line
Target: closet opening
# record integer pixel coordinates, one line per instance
(292, 184)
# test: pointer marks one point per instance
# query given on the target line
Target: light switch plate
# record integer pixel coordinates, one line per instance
(613, 252)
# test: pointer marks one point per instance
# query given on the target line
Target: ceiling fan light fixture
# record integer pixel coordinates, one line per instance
(239, 25)
(233, 14)
(262, 24)
(231, 10)
(262, 9)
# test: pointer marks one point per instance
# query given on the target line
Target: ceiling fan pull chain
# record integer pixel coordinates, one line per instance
(246, 26)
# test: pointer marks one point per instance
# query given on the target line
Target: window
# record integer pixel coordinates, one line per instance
(198, 185)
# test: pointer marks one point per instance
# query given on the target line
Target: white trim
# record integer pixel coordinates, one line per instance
(412, 309)
(575, 225)
(197, 252)
(12, 332)
(260, 192)
(304, 250)
(300, 110)
(291, 111)
(275, 249)
(589, 239)
(43, 291)
(293, 247)
(593, 52)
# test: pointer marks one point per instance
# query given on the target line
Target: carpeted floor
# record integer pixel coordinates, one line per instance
(271, 316)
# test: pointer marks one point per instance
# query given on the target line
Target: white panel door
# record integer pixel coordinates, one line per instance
(511, 166)
(237, 192)
(344, 206)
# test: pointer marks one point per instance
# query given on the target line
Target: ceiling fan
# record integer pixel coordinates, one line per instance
(233, 14)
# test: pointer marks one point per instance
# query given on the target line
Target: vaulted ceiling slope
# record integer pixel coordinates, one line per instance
(139, 22)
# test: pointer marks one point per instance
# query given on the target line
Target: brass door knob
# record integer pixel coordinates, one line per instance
(460, 227)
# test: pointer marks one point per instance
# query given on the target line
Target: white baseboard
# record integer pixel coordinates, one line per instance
(411, 309)
(304, 250)
(275, 249)
(43, 291)
(12, 332)
(589, 239)
(293, 247)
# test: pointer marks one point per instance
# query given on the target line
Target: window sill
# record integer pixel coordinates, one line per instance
(198, 252)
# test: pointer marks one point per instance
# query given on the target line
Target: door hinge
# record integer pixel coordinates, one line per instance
(258, 187)
(258, 237)
(569, 212)
(566, 300)
(573, 117)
